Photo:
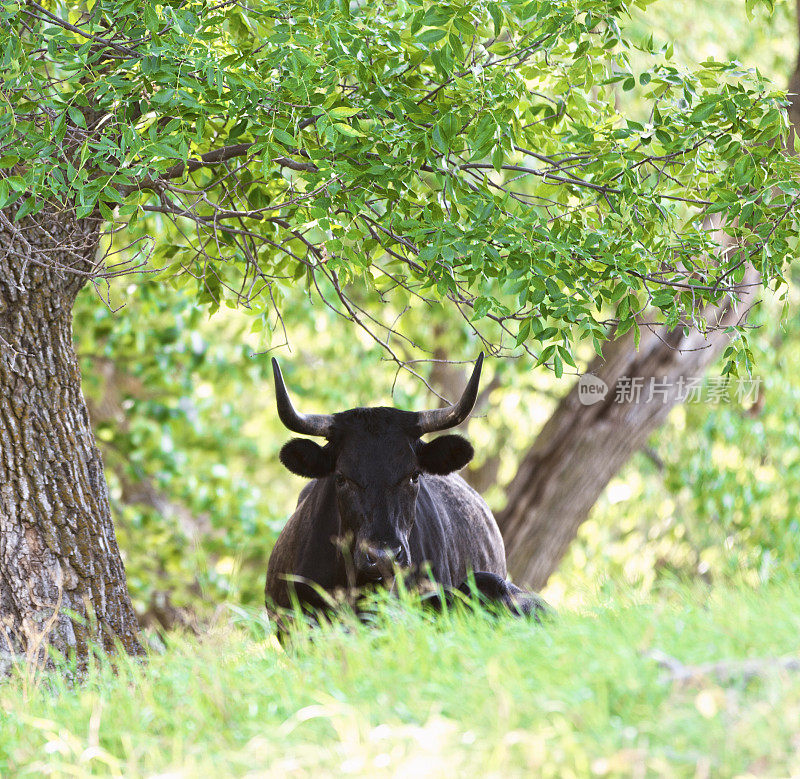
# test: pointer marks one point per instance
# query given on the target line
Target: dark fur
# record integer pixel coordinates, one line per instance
(491, 590)
(377, 486)
(307, 458)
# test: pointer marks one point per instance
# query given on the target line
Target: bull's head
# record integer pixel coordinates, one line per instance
(375, 457)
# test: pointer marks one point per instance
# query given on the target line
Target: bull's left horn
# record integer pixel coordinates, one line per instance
(305, 424)
(450, 416)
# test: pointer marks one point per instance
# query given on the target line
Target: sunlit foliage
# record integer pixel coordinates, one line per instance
(476, 153)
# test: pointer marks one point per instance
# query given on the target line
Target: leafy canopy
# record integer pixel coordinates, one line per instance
(401, 151)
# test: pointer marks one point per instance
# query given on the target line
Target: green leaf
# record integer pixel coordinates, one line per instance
(343, 112)
(497, 17)
(76, 115)
(481, 308)
(431, 36)
(498, 158)
(438, 141)
(150, 18)
(25, 209)
(523, 332)
(703, 111)
(346, 129)
(283, 137)
(17, 183)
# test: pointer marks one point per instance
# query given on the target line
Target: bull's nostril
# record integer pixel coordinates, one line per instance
(382, 558)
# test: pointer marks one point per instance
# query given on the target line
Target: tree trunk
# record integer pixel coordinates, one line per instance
(62, 581)
(581, 447)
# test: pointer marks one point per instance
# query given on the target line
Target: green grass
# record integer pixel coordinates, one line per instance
(461, 695)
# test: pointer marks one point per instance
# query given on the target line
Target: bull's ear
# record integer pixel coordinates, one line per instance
(445, 454)
(307, 458)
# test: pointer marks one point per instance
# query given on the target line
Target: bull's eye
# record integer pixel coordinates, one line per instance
(415, 477)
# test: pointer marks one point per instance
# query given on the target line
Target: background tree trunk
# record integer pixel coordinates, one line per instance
(58, 551)
(581, 447)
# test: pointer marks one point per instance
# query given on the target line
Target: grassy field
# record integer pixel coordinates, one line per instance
(615, 689)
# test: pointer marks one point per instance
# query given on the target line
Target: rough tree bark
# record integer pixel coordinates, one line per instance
(58, 551)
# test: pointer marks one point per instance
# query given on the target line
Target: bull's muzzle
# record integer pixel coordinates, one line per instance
(378, 563)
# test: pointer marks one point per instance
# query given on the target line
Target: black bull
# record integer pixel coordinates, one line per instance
(382, 500)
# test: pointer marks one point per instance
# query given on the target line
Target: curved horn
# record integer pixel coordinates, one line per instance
(450, 416)
(305, 424)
